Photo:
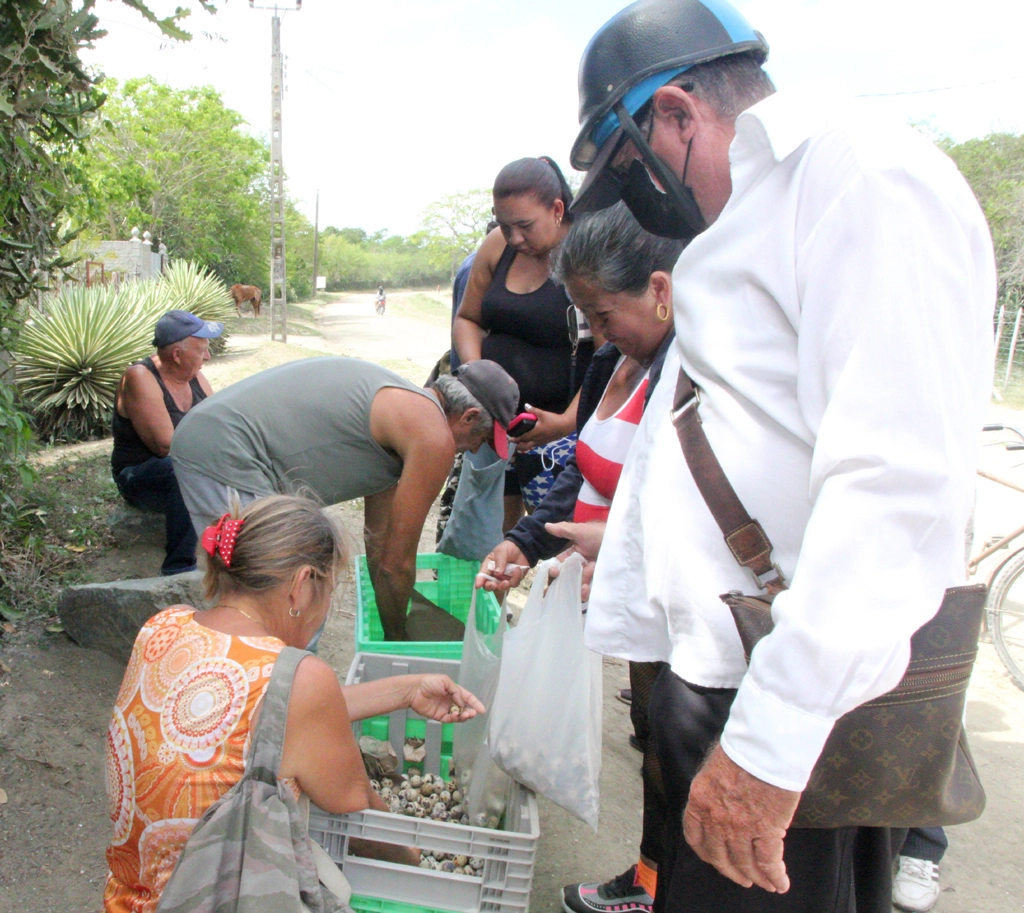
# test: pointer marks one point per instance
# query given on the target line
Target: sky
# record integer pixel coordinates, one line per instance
(391, 104)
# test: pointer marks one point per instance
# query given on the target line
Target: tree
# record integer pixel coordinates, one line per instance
(175, 162)
(48, 102)
(298, 233)
(994, 167)
(46, 99)
(351, 258)
(455, 226)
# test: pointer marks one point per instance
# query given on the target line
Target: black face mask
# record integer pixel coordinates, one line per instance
(656, 211)
(672, 213)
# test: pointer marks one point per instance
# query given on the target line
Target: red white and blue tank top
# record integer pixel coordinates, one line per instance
(601, 451)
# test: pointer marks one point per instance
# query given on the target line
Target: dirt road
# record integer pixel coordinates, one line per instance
(411, 347)
(55, 700)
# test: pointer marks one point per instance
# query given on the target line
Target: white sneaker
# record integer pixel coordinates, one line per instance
(916, 886)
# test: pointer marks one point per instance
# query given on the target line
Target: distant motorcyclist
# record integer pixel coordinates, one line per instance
(381, 301)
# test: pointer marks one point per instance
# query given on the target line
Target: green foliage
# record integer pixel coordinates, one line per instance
(15, 439)
(46, 99)
(352, 259)
(170, 24)
(48, 103)
(994, 167)
(298, 239)
(176, 162)
(46, 527)
(454, 227)
(186, 286)
(70, 359)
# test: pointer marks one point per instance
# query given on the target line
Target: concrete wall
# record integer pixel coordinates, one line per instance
(135, 259)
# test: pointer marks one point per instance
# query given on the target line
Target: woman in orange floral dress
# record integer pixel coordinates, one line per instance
(180, 732)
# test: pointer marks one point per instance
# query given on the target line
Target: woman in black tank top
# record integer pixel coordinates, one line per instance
(514, 313)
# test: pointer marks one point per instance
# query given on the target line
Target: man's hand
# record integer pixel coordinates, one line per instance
(736, 822)
(586, 540)
(506, 564)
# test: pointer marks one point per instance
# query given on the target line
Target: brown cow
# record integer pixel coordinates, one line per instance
(242, 293)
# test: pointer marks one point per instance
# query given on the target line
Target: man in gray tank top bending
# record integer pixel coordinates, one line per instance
(344, 428)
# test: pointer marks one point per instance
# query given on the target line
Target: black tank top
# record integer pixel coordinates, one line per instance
(529, 338)
(129, 448)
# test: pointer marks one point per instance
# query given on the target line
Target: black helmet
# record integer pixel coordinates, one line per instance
(640, 49)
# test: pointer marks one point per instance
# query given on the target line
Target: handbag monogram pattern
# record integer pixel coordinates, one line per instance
(900, 760)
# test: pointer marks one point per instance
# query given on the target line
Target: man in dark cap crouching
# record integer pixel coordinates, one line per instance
(343, 428)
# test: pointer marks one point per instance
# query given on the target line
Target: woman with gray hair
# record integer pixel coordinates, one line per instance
(620, 277)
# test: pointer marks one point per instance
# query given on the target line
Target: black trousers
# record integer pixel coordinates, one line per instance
(641, 680)
(842, 870)
(152, 486)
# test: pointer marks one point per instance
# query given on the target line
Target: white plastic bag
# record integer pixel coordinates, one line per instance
(545, 728)
(485, 789)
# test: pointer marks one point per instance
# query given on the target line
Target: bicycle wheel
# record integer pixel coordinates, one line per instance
(1006, 617)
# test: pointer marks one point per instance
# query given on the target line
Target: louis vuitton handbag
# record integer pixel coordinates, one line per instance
(900, 760)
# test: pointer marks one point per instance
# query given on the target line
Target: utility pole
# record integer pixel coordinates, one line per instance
(278, 271)
(316, 243)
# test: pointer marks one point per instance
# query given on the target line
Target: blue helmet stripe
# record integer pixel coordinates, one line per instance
(731, 19)
(634, 100)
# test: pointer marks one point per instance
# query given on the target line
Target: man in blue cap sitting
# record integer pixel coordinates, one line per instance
(152, 398)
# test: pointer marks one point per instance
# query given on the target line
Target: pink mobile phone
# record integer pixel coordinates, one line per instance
(522, 424)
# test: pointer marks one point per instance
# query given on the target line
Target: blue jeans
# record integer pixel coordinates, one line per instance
(152, 486)
(925, 843)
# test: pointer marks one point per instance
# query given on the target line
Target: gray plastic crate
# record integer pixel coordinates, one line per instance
(509, 854)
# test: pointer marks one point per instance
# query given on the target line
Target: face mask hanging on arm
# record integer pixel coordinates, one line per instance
(672, 213)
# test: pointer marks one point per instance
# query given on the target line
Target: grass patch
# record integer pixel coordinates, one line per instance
(430, 307)
(48, 530)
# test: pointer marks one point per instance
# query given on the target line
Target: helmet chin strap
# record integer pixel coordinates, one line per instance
(679, 194)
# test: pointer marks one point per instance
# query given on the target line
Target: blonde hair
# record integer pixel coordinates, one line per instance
(279, 536)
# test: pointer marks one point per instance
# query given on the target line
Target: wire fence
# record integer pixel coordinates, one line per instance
(1008, 383)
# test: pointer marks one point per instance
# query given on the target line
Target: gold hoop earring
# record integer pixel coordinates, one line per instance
(658, 310)
(293, 613)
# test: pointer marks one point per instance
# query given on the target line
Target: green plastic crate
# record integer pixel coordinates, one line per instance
(449, 584)
(363, 904)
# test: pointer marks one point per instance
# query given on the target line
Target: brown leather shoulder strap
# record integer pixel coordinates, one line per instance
(745, 537)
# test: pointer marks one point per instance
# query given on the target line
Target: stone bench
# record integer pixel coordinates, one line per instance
(108, 616)
(131, 526)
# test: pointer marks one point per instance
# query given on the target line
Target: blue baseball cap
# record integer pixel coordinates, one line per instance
(177, 325)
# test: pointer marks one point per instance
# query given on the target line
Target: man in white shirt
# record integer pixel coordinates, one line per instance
(834, 310)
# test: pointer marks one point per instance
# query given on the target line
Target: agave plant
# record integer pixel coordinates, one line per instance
(70, 359)
(185, 286)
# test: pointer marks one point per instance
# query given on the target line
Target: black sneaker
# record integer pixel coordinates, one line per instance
(622, 894)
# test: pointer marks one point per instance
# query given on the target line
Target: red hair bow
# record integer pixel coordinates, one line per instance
(220, 539)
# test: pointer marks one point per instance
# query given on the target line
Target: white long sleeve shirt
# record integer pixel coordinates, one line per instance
(837, 319)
